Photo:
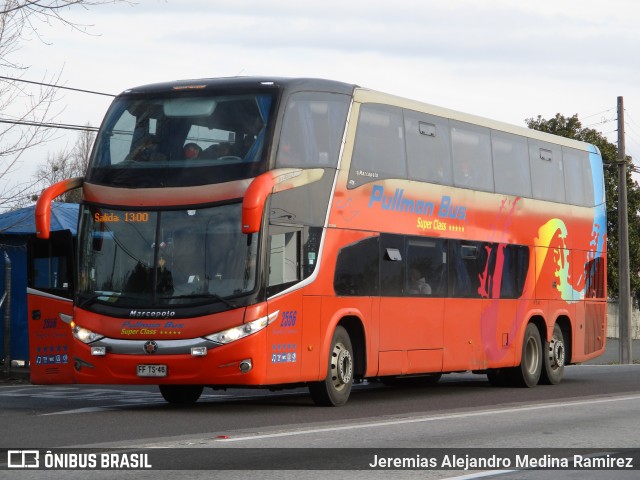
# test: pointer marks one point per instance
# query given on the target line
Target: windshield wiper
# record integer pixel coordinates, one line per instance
(85, 302)
(215, 296)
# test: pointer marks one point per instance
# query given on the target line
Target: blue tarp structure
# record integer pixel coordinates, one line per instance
(15, 229)
(64, 216)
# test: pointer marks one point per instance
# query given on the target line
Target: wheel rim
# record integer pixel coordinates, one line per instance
(556, 353)
(341, 366)
(532, 356)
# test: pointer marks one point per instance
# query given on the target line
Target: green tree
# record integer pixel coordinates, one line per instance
(571, 127)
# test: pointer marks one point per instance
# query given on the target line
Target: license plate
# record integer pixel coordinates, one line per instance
(152, 370)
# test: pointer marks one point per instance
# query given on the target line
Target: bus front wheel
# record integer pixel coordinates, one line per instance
(181, 394)
(527, 374)
(334, 390)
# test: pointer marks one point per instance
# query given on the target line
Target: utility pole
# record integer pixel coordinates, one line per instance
(624, 291)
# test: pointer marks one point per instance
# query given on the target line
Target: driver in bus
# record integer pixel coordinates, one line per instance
(164, 281)
(147, 151)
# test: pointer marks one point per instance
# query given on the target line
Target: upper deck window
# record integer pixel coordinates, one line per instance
(579, 179)
(183, 139)
(379, 150)
(511, 164)
(428, 147)
(547, 173)
(471, 154)
(312, 130)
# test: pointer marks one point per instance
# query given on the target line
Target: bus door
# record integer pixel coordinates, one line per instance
(412, 273)
(50, 307)
(285, 335)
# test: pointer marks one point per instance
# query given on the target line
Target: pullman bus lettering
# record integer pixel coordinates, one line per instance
(128, 324)
(398, 202)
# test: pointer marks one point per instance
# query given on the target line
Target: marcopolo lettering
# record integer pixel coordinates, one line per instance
(397, 202)
(152, 313)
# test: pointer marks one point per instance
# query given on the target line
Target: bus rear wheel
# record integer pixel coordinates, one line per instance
(181, 394)
(335, 389)
(527, 374)
(554, 358)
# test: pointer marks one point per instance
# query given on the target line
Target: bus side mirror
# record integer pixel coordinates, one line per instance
(254, 200)
(263, 185)
(43, 206)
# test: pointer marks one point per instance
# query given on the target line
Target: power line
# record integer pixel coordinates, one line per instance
(603, 121)
(55, 86)
(63, 126)
(628, 116)
(599, 113)
(630, 129)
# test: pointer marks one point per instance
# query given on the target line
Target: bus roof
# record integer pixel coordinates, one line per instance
(360, 94)
(293, 84)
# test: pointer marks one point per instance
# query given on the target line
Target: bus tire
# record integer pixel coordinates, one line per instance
(527, 374)
(334, 390)
(181, 394)
(553, 358)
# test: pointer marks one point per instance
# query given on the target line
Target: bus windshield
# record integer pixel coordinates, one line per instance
(160, 258)
(161, 140)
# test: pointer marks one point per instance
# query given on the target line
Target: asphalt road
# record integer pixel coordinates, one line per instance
(596, 406)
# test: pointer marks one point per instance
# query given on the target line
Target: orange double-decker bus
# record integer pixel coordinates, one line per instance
(271, 232)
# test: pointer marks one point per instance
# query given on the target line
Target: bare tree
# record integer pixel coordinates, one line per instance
(65, 163)
(82, 151)
(24, 108)
(56, 168)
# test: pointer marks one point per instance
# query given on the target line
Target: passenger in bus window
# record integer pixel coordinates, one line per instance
(465, 177)
(217, 150)
(417, 283)
(224, 150)
(245, 146)
(287, 156)
(191, 151)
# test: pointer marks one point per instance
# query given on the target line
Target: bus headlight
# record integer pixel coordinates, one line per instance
(85, 335)
(241, 331)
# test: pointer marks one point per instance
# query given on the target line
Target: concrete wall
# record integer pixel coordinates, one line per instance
(613, 328)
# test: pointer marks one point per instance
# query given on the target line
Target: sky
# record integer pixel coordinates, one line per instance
(503, 59)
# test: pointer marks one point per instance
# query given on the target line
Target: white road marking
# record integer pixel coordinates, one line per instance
(400, 421)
